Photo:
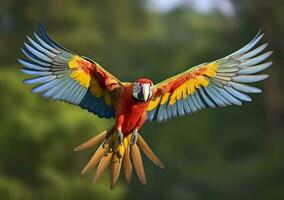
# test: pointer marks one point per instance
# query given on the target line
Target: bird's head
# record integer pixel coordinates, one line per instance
(142, 89)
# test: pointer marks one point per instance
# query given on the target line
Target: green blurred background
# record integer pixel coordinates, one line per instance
(230, 153)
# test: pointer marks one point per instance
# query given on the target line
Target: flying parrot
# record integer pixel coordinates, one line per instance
(65, 76)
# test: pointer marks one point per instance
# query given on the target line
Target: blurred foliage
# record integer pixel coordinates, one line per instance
(229, 153)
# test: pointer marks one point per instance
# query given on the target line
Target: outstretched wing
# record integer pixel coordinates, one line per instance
(66, 76)
(216, 84)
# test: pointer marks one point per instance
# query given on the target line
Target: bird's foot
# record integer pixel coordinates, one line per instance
(119, 137)
(134, 137)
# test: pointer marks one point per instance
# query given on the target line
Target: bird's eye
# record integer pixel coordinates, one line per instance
(136, 87)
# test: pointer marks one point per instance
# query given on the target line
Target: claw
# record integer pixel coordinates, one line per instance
(134, 137)
(119, 137)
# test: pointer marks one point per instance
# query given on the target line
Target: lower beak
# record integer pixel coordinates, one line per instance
(145, 92)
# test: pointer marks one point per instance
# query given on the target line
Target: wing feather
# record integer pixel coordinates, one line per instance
(216, 84)
(62, 75)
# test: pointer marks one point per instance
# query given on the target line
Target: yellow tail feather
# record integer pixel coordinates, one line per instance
(111, 152)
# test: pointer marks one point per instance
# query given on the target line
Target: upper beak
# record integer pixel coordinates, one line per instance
(145, 92)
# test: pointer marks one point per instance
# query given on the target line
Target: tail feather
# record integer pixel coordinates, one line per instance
(115, 170)
(149, 153)
(112, 153)
(127, 165)
(95, 140)
(104, 163)
(138, 164)
(100, 153)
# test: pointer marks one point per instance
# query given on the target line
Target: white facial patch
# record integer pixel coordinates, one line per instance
(136, 90)
(142, 91)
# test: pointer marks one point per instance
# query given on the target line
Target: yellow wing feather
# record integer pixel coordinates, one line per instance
(189, 81)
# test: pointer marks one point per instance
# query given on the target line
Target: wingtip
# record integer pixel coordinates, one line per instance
(26, 45)
(23, 70)
(265, 44)
(269, 53)
(22, 49)
(41, 27)
(20, 60)
(28, 37)
(27, 81)
(249, 99)
(42, 31)
(258, 91)
(258, 35)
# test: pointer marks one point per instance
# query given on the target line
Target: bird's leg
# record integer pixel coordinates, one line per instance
(134, 136)
(119, 135)
(118, 124)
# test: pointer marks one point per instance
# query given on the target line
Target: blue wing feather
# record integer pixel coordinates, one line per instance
(47, 63)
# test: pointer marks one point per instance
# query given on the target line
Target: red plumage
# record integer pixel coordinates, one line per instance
(65, 76)
(130, 113)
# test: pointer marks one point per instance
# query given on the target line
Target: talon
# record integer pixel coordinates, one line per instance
(134, 137)
(119, 137)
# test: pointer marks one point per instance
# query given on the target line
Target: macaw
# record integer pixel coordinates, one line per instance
(65, 76)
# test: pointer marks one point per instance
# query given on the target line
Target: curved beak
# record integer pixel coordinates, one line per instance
(146, 92)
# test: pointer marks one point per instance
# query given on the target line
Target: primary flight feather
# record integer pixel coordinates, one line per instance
(63, 75)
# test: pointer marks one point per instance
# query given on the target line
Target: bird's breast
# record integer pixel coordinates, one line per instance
(132, 116)
(131, 109)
